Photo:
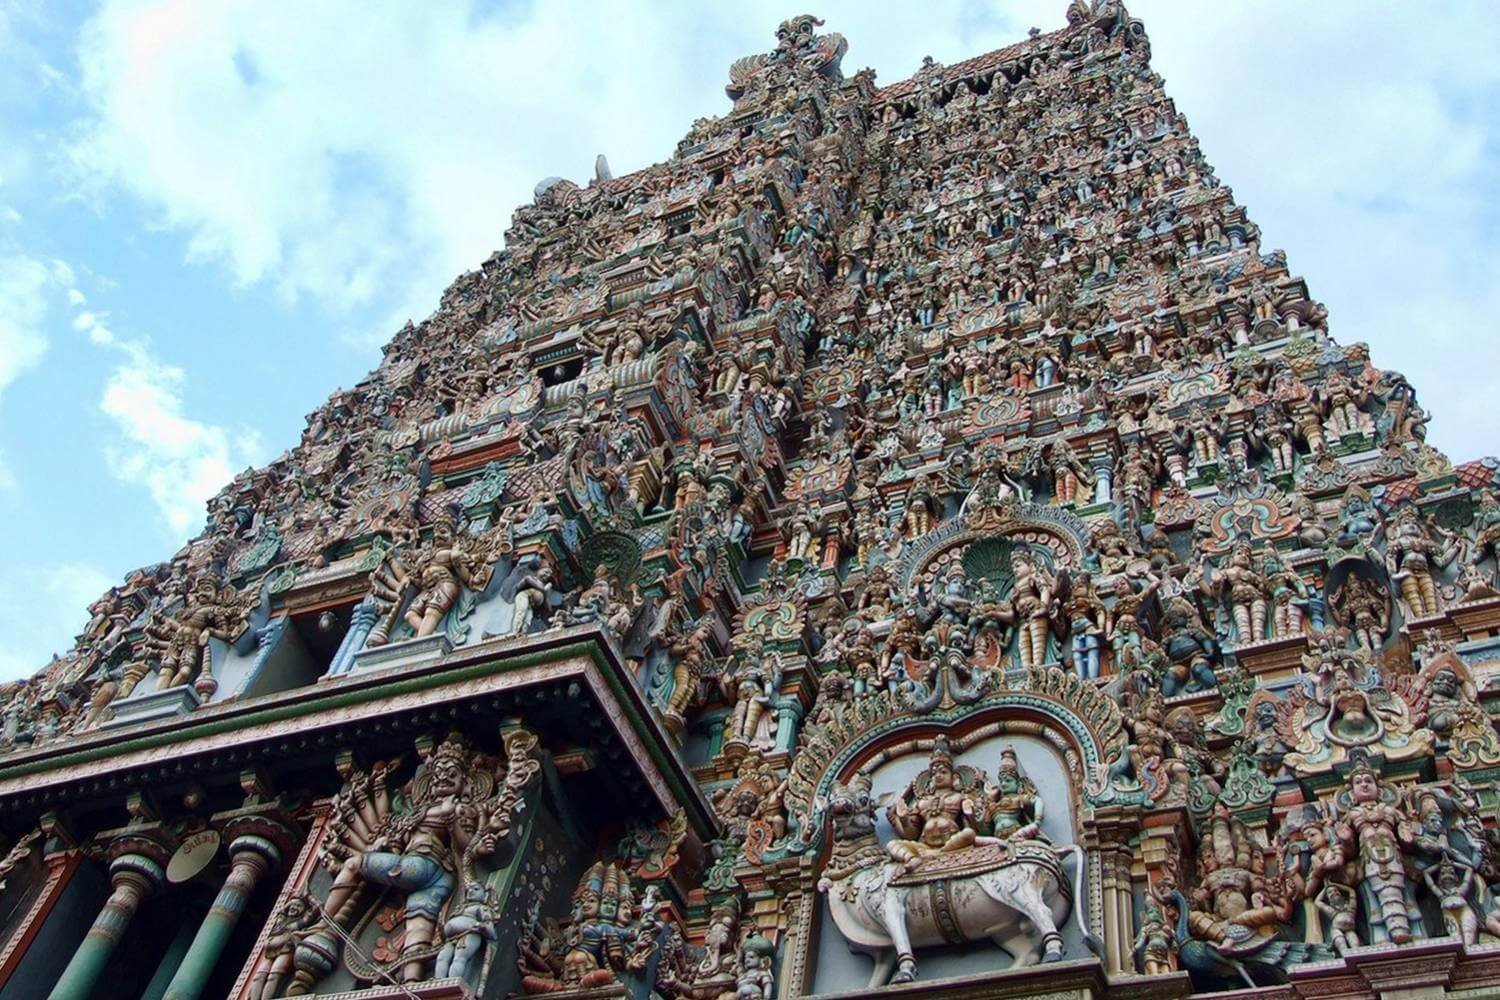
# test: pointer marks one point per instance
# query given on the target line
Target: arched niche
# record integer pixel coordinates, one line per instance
(834, 966)
(1056, 534)
(1079, 721)
(1064, 734)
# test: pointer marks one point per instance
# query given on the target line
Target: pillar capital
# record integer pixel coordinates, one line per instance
(145, 849)
(145, 873)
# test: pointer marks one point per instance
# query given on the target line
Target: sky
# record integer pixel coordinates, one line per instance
(212, 214)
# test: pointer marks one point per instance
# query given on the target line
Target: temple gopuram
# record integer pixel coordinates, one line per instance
(913, 542)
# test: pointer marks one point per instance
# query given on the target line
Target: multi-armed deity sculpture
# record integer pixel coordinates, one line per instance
(922, 517)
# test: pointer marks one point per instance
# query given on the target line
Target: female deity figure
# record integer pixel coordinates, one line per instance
(1015, 809)
(1034, 601)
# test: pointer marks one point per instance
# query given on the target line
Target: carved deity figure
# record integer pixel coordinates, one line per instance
(1014, 806)
(454, 811)
(1377, 834)
(600, 936)
(468, 931)
(181, 642)
(1337, 903)
(1150, 756)
(1451, 885)
(1154, 944)
(290, 925)
(921, 509)
(437, 572)
(755, 684)
(532, 594)
(686, 649)
(1362, 605)
(1289, 595)
(1413, 555)
(1245, 589)
(1034, 600)
(936, 813)
(755, 981)
(1067, 472)
(1087, 620)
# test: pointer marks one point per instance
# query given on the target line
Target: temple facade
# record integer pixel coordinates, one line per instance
(914, 541)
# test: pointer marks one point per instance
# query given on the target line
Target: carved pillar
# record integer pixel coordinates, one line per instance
(133, 877)
(361, 624)
(300, 870)
(794, 882)
(251, 857)
(789, 712)
(1109, 838)
(1104, 478)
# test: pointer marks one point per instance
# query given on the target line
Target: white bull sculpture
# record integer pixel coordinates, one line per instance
(1014, 894)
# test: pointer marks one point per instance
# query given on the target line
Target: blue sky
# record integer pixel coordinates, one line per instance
(212, 214)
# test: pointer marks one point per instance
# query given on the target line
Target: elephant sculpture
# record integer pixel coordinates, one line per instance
(1013, 893)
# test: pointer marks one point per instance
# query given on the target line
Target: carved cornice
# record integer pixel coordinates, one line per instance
(502, 676)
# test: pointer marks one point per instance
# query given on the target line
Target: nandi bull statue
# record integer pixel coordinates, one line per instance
(956, 833)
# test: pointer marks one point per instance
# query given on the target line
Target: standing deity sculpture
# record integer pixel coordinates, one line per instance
(1363, 606)
(181, 642)
(1377, 834)
(754, 681)
(434, 575)
(1415, 550)
(1245, 589)
(1088, 622)
(1034, 600)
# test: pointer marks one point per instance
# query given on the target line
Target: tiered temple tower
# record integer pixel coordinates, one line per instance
(914, 535)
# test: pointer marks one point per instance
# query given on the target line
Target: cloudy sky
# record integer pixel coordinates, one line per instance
(213, 213)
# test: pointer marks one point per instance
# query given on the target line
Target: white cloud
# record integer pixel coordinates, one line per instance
(89, 322)
(181, 462)
(368, 167)
(26, 284)
(41, 609)
(26, 287)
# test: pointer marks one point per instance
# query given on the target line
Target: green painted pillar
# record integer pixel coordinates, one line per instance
(167, 967)
(250, 857)
(132, 877)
